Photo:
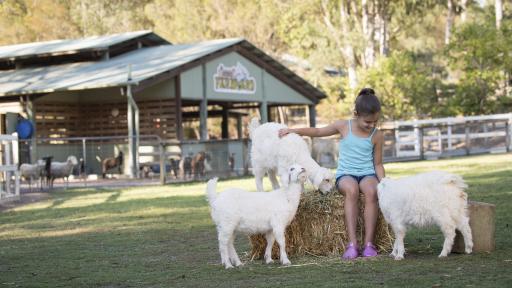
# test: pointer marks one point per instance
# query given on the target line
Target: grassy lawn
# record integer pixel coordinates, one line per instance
(164, 237)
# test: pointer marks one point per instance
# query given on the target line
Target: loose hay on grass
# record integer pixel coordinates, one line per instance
(319, 229)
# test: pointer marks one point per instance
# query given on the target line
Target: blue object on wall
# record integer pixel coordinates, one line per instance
(156, 168)
(24, 129)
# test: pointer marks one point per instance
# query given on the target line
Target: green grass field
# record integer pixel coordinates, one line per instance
(163, 237)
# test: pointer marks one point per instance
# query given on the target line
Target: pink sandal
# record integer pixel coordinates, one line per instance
(351, 252)
(370, 250)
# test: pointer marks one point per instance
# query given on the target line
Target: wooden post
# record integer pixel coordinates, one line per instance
(397, 139)
(468, 140)
(482, 223)
(179, 118)
(161, 150)
(239, 126)
(507, 136)
(16, 160)
(203, 109)
(8, 162)
(449, 137)
(264, 103)
(225, 123)
(420, 143)
(440, 139)
(312, 115)
(133, 128)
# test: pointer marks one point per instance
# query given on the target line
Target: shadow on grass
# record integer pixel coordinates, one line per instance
(181, 211)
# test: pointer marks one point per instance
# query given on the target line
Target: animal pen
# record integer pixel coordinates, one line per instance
(134, 95)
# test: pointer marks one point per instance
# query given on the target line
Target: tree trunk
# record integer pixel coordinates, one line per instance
(464, 13)
(348, 49)
(342, 41)
(499, 13)
(368, 31)
(449, 22)
(382, 19)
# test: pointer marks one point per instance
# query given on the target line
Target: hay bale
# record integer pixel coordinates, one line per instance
(319, 229)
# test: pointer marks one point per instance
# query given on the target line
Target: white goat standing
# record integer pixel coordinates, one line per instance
(273, 155)
(31, 171)
(255, 212)
(62, 169)
(435, 197)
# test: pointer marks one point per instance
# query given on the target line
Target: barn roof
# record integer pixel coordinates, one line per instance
(73, 46)
(148, 65)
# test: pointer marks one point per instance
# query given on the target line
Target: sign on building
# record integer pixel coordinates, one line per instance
(233, 79)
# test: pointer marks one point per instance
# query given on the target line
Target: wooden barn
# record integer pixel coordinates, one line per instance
(127, 89)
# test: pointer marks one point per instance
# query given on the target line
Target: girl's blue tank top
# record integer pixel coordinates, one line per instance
(355, 155)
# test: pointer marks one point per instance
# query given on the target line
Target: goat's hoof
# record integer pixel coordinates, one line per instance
(286, 262)
(399, 257)
(228, 266)
(443, 255)
(269, 261)
(468, 250)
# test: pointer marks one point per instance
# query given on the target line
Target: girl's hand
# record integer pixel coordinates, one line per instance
(283, 132)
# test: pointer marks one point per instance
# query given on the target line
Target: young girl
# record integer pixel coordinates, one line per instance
(359, 166)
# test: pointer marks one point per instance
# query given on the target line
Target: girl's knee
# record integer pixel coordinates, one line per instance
(370, 195)
(351, 192)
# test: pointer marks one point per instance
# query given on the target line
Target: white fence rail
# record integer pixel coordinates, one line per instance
(453, 136)
(9, 187)
(430, 139)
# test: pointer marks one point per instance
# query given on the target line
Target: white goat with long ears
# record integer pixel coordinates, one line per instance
(63, 169)
(435, 197)
(255, 212)
(273, 155)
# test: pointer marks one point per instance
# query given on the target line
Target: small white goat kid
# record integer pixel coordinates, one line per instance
(236, 210)
(273, 155)
(435, 197)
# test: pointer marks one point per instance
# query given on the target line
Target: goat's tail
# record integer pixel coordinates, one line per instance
(255, 123)
(458, 181)
(211, 191)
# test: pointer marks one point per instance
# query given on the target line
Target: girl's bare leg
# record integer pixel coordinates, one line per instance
(371, 207)
(348, 186)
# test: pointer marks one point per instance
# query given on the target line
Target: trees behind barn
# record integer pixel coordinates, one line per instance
(411, 52)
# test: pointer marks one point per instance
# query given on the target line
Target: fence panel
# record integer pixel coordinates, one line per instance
(9, 173)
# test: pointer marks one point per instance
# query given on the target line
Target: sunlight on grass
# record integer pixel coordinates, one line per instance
(141, 218)
(20, 233)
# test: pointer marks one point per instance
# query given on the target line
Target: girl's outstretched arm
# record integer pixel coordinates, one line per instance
(331, 129)
(377, 155)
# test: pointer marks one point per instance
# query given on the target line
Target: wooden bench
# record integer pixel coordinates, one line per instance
(482, 223)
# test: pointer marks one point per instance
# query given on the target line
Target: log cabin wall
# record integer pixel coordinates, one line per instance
(58, 119)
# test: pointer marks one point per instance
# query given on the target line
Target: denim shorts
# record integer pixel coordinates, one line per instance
(357, 178)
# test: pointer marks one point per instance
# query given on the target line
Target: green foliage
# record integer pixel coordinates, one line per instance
(26, 21)
(482, 54)
(413, 82)
(405, 85)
